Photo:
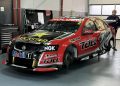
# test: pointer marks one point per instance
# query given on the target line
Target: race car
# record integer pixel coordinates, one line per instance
(58, 43)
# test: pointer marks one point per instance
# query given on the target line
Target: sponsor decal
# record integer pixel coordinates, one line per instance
(18, 54)
(22, 54)
(63, 36)
(34, 39)
(50, 55)
(29, 56)
(51, 60)
(85, 58)
(75, 39)
(51, 48)
(34, 64)
(39, 34)
(66, 19)
(88, 43)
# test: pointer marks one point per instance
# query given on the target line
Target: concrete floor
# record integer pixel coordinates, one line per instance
(86, 73)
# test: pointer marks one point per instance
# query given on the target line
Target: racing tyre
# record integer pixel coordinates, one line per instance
(69, 57)
(109, 46)
(67, 60)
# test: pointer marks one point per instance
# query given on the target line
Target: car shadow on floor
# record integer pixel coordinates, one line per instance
(29, 75)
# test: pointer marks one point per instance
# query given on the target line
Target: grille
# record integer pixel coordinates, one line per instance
(23, 62)
(29, 46)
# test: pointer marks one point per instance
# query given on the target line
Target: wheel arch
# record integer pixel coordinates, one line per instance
(73, 49)
(64, 48)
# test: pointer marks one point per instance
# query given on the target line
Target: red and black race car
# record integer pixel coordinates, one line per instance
(57, 43)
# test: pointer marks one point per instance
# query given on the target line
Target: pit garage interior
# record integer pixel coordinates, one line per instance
(22, 16)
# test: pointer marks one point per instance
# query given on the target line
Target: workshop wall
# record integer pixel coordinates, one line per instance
(75, 7)
(40, 4)
(70, 7)
(5, 11)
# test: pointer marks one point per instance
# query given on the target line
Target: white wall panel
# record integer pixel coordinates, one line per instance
(68, 5)
(27, 4)
(41, 4)
(76, 5)
(80, 5)
(47, 4)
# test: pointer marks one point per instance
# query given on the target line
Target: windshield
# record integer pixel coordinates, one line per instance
(65, 26)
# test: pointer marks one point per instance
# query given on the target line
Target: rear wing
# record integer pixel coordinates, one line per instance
(110, 21)
(113, 23)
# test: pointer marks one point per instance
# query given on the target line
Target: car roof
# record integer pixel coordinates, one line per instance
(72, 19)
(75, 19)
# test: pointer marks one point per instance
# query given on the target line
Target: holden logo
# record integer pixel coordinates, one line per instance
(23, 47)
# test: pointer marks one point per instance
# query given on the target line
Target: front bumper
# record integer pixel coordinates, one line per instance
(35, 63)
(39, 69)
(45, 68)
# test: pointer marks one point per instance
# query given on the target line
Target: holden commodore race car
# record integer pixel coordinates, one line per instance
(58, 43)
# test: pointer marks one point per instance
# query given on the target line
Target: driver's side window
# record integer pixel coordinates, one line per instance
(89, 27)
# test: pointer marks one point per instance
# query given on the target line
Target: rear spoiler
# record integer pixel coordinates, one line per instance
(113, 22)
(110, 21)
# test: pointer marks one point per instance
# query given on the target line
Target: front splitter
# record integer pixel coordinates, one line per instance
(45, 69)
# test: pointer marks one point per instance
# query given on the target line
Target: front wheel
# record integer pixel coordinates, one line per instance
(67, 60)
(69, 57)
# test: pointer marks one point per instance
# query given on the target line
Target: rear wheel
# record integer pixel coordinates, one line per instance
(109, 46)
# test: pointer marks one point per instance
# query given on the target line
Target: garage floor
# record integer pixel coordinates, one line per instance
(86, 73)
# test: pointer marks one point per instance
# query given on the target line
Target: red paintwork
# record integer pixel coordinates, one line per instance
(4, 61)
(45, 69)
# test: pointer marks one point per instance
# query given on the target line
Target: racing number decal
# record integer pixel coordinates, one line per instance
(89, 43)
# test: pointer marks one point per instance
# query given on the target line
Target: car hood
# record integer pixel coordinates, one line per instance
(42, 36)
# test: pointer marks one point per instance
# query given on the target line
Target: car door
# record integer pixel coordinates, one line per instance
(89, 38)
